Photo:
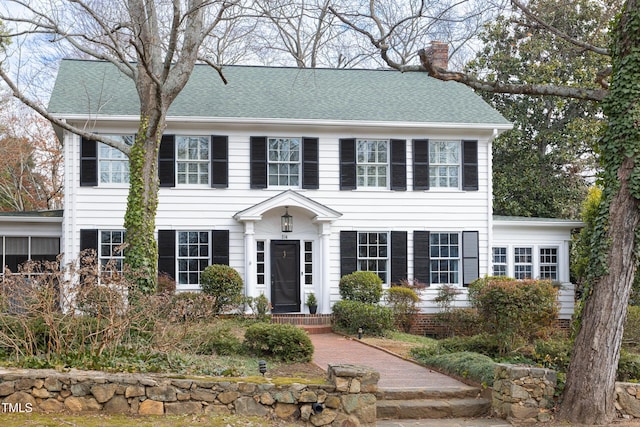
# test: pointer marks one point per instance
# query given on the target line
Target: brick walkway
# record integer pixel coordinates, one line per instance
(394, 371)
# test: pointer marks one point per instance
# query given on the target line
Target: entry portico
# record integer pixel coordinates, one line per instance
(286, 266)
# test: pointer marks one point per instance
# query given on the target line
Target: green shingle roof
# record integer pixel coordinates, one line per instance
(93, 87)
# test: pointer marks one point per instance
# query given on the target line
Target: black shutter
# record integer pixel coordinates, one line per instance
(420, 164)
(220, 247)
(310, 173)
(219, 161)
(398, 256)
(167, 161)
(348, 252)
(470, 165)
(89, 239)
(398, 164)
(167, 252)
(421, 257)
(88, 163)
(347, 164)
(470, 257)
(258, 162)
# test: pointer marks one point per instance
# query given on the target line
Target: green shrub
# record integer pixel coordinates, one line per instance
(225, 284)
(373, 319)
(213, 339)
(631, 337)
(515, 310)
(488, 345)
(628, 367)
(285, 342)
(260, 306)
(460, 321)
(362, 286)
(474, 366)
(402, 302)
(553, 353)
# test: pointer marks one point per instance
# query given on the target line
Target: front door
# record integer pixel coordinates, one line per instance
(285, 276)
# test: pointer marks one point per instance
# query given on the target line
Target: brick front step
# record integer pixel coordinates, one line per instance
(317, 329)
(432, 409)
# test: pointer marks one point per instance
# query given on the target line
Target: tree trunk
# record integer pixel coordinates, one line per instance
(589, 395)
(141, 255)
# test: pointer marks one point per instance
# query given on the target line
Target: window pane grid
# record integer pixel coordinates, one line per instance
(193, 159)
(111, 252)
(113, 164)
(284, 161)
(444, 250)
(523, 263)
(193, 256)
(373, 253)
(260, 262)
(444, 164)
(549, 263)
(372, 163)
(499, 261)
(308, 263)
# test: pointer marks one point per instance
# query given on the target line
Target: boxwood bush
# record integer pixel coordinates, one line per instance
(373, 319)
(362, 286)
(285, 342)
(225, 284)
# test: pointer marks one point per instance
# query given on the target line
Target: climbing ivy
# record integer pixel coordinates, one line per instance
(621, 140)
(141, 255)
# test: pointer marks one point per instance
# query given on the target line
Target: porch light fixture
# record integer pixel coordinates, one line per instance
(286, 221)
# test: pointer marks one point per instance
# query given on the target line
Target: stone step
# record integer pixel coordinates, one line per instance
(432, 408)
(427, 393)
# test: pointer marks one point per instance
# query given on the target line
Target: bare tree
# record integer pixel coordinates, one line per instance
(589, 395)
(154, 43)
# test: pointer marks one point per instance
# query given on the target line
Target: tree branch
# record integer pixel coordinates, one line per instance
(514, 88)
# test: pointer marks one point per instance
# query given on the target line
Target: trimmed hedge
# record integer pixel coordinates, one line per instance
(362, 286)
(225, 284)
(281, 341)
(373, 319)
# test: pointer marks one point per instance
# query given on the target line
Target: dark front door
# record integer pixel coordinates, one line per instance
(285, 276)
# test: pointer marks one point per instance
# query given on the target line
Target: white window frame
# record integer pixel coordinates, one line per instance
(443, 170)
(442, 254)
(283, 162)
(308, 262)
(261, 263)
(543, 263)
(113, 162)
(193, 160)
(374, 255)
(373, 165)
(184, 255)
(500, 260)
(108, 251)
(517, 262)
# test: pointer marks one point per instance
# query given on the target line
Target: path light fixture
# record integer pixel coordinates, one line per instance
(360, 333)
(286, 221)
(262, 366)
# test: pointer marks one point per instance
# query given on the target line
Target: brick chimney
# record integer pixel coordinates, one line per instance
(438, 54)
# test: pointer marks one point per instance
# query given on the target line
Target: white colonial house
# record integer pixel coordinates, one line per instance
(371, 170)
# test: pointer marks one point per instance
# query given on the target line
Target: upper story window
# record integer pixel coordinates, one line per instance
(192, 159)
(113, 163)
(373, 253)
(372, 159)
(284, 162)
(549, 263)
(444, 164)
(444, 255)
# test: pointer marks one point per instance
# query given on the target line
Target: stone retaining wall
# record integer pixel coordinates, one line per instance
(523, 393)
(348, 399)
(628, 399)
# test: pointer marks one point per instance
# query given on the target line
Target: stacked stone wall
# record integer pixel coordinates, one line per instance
(348, 399)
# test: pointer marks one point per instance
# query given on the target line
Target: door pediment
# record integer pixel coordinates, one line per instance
(319, 212)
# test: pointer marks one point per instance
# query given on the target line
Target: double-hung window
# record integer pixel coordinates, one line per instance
(444, 164)
(111, 251)
(284, 162)
(373, 253)
(372, 160)
(499, 261)
(192, 159)
(193, 256)
(444, 255)
(523, 263)
(113, 163)
(549, 263)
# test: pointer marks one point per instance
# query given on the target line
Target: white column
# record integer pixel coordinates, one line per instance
(249, 259)
(325, 284)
